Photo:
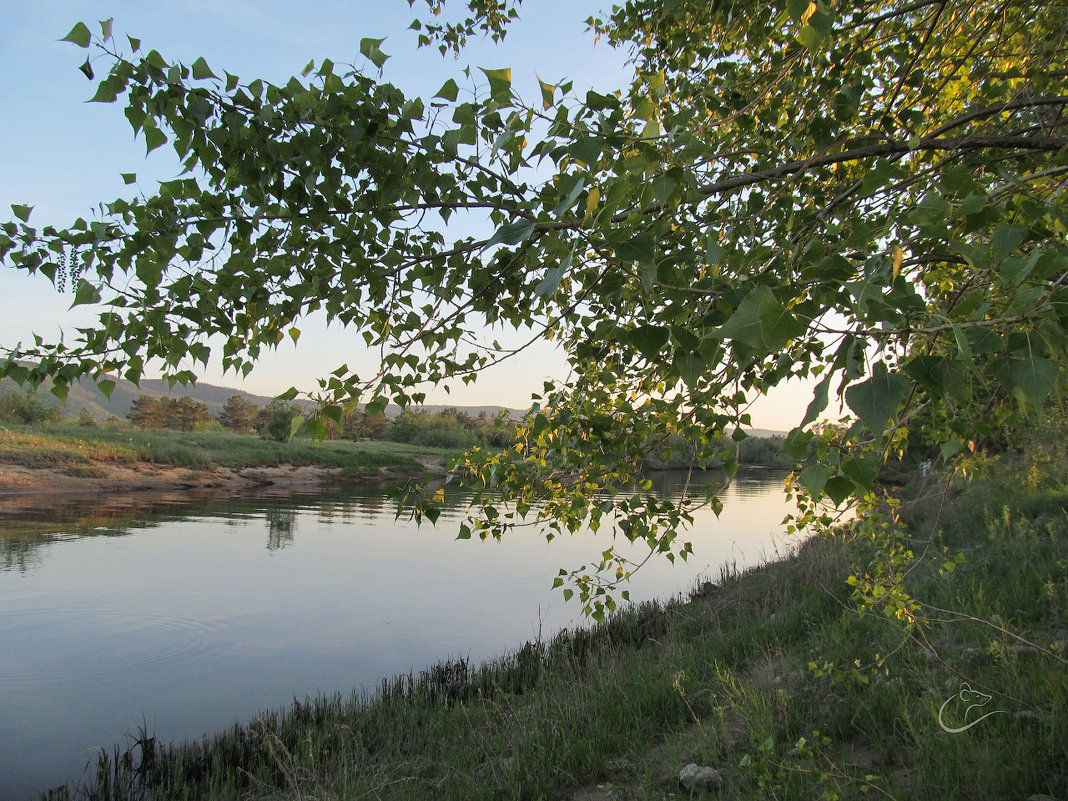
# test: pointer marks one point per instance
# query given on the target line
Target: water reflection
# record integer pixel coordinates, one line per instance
(188, 612)
(281, 527)
(28, 528)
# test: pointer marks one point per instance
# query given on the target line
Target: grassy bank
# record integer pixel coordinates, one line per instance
(84, 451)
(771, 677)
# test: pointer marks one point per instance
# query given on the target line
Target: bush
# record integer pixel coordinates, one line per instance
(23, 406)
(276, 420)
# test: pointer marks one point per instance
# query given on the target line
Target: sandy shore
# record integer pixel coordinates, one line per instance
(16, 480)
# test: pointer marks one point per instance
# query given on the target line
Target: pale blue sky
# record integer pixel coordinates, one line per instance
(63, 155)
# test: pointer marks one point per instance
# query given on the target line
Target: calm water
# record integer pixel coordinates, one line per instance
(185, 616)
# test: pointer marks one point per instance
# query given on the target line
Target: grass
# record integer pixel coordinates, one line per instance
(82, 450)
(770, 676)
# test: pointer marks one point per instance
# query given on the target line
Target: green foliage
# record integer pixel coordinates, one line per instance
(239, 415)
(449, 428)
(27, 407)
(181, 414)
(276, 420)
(868, 195)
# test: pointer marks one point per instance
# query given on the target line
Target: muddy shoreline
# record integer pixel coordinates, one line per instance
(17, 481)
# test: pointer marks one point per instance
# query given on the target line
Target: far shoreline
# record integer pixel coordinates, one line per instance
(45, 462)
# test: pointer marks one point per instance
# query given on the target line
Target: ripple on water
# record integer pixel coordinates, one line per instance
(58, 644)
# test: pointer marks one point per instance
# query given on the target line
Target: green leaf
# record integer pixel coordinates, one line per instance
(876, 400)
(691, 367)
(811, 38)
(814, 478)
(818, 402)
(587, 150)
(576, 190)
(87, 69)
(22, 212)
(761, 321)
(154, 138)
(548, 285)
(107, 91)
(796, 9)
(129, 177)
(79, 35)
(939, 375)
(512, 233)
(648, 339)
(639, 248)
(295, 424)
(983, 340)
(744, 324)
(547, 90)
(500, 82)
(371, 48)
(105, 28)
(838, 488)
(796, 443)
(1029, 379)
(376, 406)
(777, 325)
(861, 471)
(106, 386)
(1005, 239)
(449, 90)
(201, 70)
(85, 294)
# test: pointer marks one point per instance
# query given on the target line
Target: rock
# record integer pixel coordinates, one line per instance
(694, 777)
(1027, 714)
(1040, 797)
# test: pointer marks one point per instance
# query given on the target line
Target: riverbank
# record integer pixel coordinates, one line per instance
(769, 679)
(72, 459)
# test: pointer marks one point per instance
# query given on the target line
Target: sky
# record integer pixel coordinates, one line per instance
(63, 155)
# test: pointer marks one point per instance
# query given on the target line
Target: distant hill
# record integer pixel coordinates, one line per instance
(84, 394)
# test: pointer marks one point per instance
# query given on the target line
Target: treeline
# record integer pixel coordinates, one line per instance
(449, 428)
(238, 414)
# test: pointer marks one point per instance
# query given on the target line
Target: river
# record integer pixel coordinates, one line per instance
(185, 614)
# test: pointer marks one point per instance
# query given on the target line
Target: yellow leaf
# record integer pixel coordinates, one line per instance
(592, 199)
